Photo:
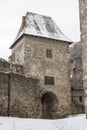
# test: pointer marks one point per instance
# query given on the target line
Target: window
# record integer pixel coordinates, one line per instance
(49, 53)
(80, 98)
(48, 80)
(72, 88)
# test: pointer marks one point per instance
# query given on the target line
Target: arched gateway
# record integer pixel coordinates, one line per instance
(49, 105)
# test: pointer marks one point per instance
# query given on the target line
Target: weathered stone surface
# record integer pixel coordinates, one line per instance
(24, 94)
(19, 95)
(3, 94)
(5, 66)
(18, 58)
(83, 21)
(76, 78)
(37, 65)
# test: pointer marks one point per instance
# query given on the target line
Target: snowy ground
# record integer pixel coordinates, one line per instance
(71, 123)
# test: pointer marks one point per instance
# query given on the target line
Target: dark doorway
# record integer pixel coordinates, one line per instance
(49, 105)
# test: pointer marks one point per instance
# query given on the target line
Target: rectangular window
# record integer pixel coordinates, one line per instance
(48, 80)
(80, 98)
(49, 53)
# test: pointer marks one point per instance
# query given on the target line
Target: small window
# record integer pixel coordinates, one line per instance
(72, 88)
(48, 80)
(80, 98)
(49, 53)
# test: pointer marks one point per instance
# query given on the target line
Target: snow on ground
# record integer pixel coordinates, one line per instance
(71, 123)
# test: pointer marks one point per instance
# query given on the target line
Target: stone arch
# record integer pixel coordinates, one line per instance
(49, 105)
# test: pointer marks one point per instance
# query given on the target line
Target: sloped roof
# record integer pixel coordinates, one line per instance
(40, 25)
(76, 50)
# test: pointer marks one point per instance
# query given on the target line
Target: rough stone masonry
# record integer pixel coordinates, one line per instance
(83, 21)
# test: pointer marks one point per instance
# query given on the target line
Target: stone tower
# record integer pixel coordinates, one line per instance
(43, 50)
(83, 21)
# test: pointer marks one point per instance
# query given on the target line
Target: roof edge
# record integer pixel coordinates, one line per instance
(69, 42)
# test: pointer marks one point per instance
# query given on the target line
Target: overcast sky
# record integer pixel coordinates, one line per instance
(64, 12)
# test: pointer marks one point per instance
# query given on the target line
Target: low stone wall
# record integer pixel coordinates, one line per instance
(23, 96)
(18, 95)
(3, 94)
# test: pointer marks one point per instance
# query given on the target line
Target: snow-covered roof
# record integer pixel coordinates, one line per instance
(42, 26)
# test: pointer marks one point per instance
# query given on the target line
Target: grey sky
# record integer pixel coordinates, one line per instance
(64, 12)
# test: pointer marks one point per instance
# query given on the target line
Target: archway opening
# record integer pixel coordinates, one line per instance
(49, 105)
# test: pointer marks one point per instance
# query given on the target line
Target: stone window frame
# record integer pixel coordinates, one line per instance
(49, 53)
(52, 51)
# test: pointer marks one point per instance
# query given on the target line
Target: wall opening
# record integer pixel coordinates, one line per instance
(49, 106)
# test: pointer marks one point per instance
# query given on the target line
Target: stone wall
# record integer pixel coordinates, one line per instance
(24, 94)
(78, 101)
(3, 94)
(76, 78)
(18, 58)
(5, 66)
(19, 95)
